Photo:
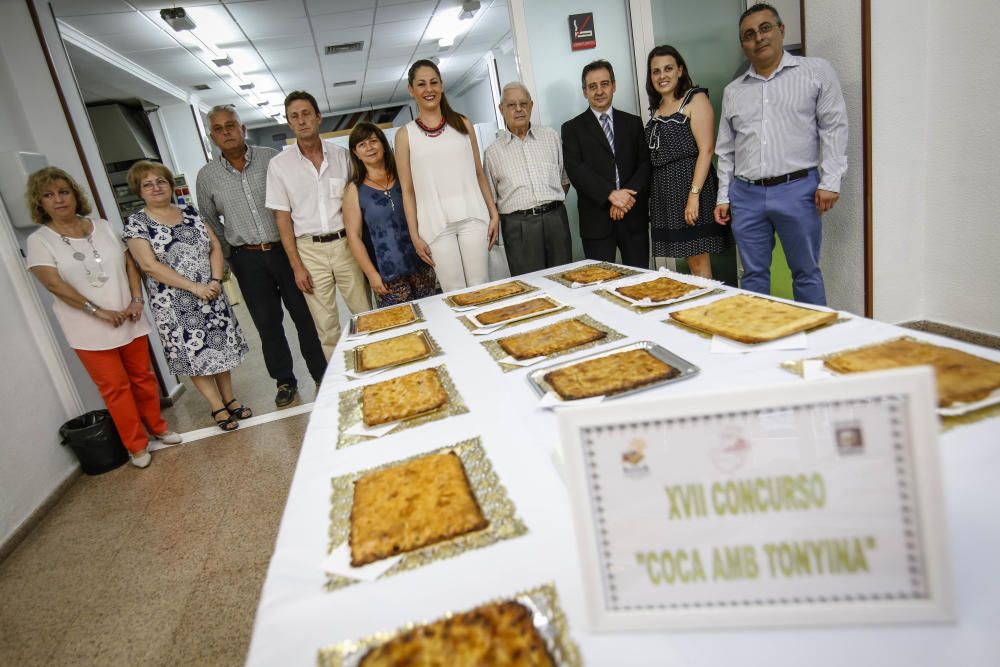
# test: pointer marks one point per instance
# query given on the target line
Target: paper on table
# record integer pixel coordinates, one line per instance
(815, 369)
(721, 345)
(339, 562)
(356, 375)
(482, 331)
(461, 309)
(363, 431)
(550, 401)
(531, 361)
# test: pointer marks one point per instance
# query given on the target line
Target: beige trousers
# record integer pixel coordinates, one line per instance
(332, 267)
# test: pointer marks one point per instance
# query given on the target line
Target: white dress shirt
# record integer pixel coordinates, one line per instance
(314, 198)
(794, 119)
(525, 173)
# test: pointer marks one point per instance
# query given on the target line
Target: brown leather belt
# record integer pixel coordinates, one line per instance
(778, 180)
(326, 238)
(261, 247)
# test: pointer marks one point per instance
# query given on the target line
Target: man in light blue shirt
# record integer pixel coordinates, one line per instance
(782, 151)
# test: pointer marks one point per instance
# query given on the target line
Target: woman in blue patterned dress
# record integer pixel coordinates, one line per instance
(183, 264)
(376, 224)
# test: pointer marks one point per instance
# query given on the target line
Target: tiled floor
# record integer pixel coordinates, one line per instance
(161, 566)
(251, 383)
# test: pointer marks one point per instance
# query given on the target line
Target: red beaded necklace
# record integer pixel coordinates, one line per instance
(432, 131)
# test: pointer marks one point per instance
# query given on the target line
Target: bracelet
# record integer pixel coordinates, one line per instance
(215, 280)
(138, 299)
(90, 308)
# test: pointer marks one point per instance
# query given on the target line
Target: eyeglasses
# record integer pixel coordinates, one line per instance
(517, 105)
(153, 185)
(763, 29)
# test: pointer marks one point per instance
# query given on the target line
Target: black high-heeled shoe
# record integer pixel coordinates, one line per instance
(240, 411)
(230, 423)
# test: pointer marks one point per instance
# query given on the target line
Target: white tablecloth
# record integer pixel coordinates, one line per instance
(296, 616)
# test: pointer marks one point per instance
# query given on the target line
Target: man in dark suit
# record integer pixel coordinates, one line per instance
(607, 160)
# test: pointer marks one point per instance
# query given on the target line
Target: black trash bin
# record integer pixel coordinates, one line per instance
(95, 441)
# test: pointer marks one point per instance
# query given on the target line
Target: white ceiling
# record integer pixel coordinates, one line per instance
(278, 45)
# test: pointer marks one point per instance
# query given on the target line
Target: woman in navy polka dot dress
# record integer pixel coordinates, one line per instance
(681, 140)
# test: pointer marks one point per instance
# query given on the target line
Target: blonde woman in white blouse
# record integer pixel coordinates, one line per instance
(98, 305)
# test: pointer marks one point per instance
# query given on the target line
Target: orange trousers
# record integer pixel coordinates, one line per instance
(126, 381)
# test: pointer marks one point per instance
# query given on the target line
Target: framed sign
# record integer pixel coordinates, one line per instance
(793, 505)
(581, 31)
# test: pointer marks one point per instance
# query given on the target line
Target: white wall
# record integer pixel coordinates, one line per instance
(554, 76)
(899, 157)
(476, 98)
(32, 464)
(183, 137)
(842, 256)
(962, 233)
(934, 148)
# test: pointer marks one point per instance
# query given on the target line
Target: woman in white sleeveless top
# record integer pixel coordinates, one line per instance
(450, 212)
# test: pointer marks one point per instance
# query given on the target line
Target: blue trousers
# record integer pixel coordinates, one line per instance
(790, 210)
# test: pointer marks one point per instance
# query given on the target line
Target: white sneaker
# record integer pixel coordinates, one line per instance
(169, 438)
(142, 459)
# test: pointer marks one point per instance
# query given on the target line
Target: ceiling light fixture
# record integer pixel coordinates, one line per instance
(446, 26)
(177, 19)
(469, 9)
(199, 40)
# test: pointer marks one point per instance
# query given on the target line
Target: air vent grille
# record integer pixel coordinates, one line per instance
(346, 47)
(341, 84)
(201, 86)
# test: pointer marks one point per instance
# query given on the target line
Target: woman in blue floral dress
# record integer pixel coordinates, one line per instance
(376, 225)
(182, 261)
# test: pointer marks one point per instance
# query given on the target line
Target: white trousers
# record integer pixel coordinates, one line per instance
(460, 255)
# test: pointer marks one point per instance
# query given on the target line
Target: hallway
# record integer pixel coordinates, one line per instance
(160, 566)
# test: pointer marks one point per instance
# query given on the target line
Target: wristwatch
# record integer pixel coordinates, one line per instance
(90, 308)
(138, 299)
(695, 189)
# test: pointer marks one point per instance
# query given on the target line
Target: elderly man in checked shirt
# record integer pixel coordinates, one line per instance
(231, 200)
(524, 167)
(782, 150)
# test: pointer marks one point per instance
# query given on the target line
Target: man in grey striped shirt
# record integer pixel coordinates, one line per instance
(782, 151)
(231, 193)
(524, 167)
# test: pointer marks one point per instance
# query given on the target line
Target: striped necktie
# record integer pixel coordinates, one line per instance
(610, 134)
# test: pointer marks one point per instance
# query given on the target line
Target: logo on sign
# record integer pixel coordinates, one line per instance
(634, 459)
(581, 31)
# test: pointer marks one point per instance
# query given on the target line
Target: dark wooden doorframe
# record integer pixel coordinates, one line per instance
(866, 139)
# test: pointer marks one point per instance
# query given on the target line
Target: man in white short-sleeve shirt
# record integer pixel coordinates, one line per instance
(305, 189)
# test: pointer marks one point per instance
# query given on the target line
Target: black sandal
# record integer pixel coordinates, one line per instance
(227, 424)
(240, 411)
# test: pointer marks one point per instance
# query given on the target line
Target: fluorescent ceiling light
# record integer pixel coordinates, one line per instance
(446, 26)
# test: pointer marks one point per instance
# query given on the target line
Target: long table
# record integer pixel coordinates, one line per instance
(296, 616)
